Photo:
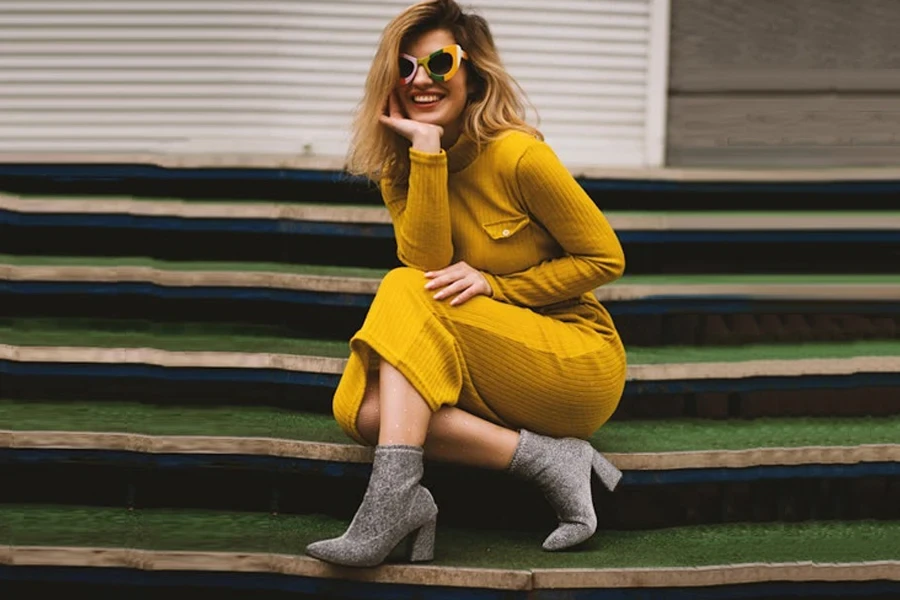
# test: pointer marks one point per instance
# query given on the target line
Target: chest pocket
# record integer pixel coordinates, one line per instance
(505, 228)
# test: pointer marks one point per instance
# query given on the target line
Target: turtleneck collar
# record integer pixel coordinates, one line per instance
(461, 154)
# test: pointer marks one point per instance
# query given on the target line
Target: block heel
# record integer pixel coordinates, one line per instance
(607, 472)
(421, 542)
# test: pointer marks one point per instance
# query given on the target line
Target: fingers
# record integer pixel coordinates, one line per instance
(454, 288)
(394, 106)
(387, 121)
(459, 279)
(466, 295)
(391, 112)
(446, 275)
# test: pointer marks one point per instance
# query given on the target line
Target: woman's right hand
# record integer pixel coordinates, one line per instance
(424, 136)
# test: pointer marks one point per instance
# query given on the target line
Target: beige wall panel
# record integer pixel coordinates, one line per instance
(784, 83)
(744, 45)
(784, 130)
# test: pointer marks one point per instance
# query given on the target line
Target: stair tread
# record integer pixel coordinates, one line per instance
(374, 214)
(183, 417)
(260, 339)
(197, 530)
(124, 263)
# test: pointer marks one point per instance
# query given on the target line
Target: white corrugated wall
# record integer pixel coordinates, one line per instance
(280, 78)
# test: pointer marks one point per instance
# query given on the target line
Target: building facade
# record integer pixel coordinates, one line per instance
(616, 83)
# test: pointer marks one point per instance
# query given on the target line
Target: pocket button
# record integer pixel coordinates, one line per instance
(505, 233)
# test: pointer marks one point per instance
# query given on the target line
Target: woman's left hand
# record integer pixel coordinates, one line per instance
(461, 279)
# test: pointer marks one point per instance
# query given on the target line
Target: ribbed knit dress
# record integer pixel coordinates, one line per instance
(542, 353)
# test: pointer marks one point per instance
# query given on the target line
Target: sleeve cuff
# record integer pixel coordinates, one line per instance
(428, 158)
(496, 293)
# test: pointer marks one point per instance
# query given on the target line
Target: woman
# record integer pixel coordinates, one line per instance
(488, 348)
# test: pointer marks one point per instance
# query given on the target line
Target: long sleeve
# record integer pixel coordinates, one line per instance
(593, 254)
(421, 213)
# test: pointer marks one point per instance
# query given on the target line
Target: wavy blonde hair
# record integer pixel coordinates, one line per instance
(496, 105)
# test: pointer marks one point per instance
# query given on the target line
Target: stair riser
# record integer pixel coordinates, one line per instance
(683, 322)
(289, 185)
(845, 396)
(646, 253)
(645, 500)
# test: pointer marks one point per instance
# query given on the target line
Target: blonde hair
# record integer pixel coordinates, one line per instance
(496, 105)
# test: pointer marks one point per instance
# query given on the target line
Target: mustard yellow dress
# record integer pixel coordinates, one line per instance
(542, 353)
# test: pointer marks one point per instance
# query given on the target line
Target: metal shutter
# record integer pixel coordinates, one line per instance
(277, 80)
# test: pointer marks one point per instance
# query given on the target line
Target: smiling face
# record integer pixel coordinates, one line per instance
(435, 102)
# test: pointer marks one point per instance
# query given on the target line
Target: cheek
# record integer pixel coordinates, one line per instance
(460, 98)
(405, 102)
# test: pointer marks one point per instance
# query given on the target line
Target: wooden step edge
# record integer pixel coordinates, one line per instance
(249, 562)
(328, 365)
(799, 367)
(334, 167)
(351, 453)
(716, 575)
(239, 279)
(376, 215)
(460, 577)
(339, 284)
(172, 358)
(360, 215)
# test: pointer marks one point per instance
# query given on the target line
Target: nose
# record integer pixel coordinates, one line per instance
(421, 79)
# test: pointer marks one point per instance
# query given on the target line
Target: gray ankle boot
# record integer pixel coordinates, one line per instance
(562, 470)
(394, 507)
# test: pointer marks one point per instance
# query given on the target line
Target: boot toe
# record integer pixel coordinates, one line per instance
(331, 551)
(321, 550)
(566, 536)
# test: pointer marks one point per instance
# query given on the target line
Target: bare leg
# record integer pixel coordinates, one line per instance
(404, 415)
(453, 435)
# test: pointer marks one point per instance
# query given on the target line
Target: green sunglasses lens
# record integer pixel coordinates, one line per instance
(440, 64)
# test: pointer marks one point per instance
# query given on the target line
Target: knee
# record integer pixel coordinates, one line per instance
(403, 278)
(368, 418)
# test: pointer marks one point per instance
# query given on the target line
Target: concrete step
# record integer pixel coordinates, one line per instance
(374, 221)
(204, 177)
(649, 451)
(655, 242)
(226, 352)
(649, 309)
(648, 445)
(237, 550)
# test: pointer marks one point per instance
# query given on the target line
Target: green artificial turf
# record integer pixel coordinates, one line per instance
(198, 201)
(171, 418)
(170, 265)
(180, 417)
(824, 542)
(335, 271)
(761, 279)
(133, 333)
(887, 216)
(654, 355)
(233, 337)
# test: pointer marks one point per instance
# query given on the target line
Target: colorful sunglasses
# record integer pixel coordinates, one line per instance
(440, 65)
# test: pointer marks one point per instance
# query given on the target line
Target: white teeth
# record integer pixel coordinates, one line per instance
(426, 99)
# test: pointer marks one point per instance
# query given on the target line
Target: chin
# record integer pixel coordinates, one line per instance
(429, 119)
